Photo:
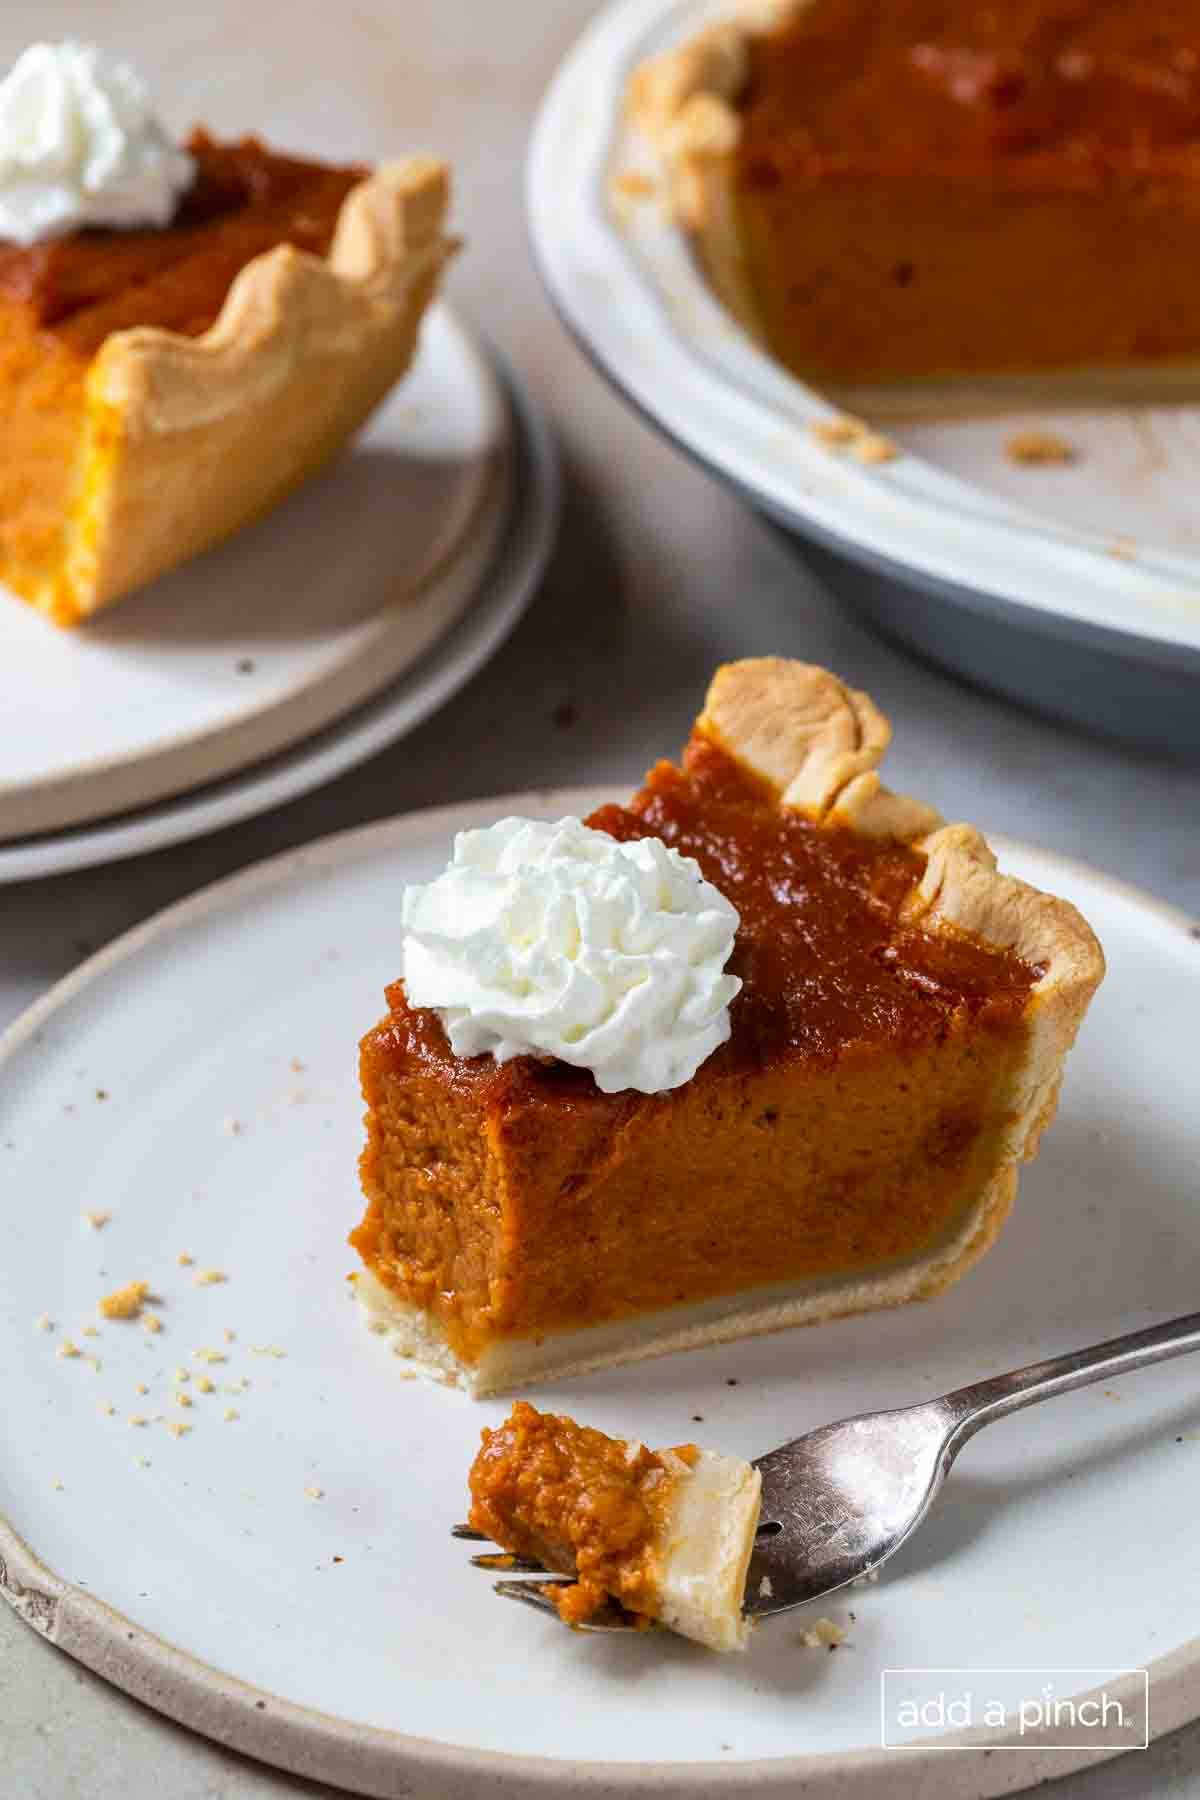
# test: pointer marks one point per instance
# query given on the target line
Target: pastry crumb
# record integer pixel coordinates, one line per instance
(67, 1349)
(178, 1427)
(837, 432)
(1124, 549)
(95, 1221)
(151, 1323)
(765, 1590)
(107, 1408)
(141, 1388)
(88, 1331)
(137, 1419)
(205, 1355)
(230, 1414)
(204, 1385)
(874, 448)
(184, 1260)
(93, 1363)
(232, 1127)
(296, 1066)
(630, 184)
(209, 1277)
(229, 1336)
(44, 1322)
(266, 1350)
(314, 1493)
(1039, 449)
(822, 1634)
(141, 1462)
(125, 1302)
(183, 1399)
(182, 1374)
(59, 1486)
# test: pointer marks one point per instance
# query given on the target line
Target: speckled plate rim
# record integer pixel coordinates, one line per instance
(370, 1760)
(632, 296)
(505, 591)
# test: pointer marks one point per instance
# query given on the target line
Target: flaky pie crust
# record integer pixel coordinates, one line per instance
(187, 439)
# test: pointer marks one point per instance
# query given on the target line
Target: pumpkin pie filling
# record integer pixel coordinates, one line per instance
(927, 189)
(850, 1119)
(667, 1534)
(60, 300)
(581, 1503)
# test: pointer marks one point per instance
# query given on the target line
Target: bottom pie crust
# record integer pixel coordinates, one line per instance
(512, 1363)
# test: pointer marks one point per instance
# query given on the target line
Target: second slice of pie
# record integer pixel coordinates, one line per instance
(893, 1055)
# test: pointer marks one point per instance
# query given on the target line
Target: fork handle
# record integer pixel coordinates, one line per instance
(972, 1407)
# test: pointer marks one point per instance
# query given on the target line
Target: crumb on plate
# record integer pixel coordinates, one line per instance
(1039, 449)
(125, 1302)
(874, 448)
(839, 431)
(822, 1634)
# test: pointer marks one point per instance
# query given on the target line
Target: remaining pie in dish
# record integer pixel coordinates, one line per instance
(668, 1534)
(929, 189)
(160, 387)
(894, 1053)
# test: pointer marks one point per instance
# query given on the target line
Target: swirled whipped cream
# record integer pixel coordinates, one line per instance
(80, 145)
(555, 940)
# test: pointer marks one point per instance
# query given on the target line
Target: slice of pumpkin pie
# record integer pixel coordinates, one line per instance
(763, 1047)
(186, 331)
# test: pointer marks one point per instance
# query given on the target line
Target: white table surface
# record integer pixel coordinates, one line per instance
(658, 576)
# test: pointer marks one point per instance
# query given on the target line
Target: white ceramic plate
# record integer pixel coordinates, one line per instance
(500, 599)
(197, 1079)
(269, 637)
(1102, 555)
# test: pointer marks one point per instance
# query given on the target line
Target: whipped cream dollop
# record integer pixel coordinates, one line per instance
(80, 145)
(556, 940)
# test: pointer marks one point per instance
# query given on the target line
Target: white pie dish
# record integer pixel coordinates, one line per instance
(1076, 590)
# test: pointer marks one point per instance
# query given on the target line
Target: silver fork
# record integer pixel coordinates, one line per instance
(841, 1500)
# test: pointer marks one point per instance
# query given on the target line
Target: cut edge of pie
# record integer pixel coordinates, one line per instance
(684, 103)
(186, 439)
(818, 745)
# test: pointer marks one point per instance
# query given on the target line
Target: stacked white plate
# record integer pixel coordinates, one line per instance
(301, 646)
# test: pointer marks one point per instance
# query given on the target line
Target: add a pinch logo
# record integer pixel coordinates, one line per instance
(1044, 1709)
